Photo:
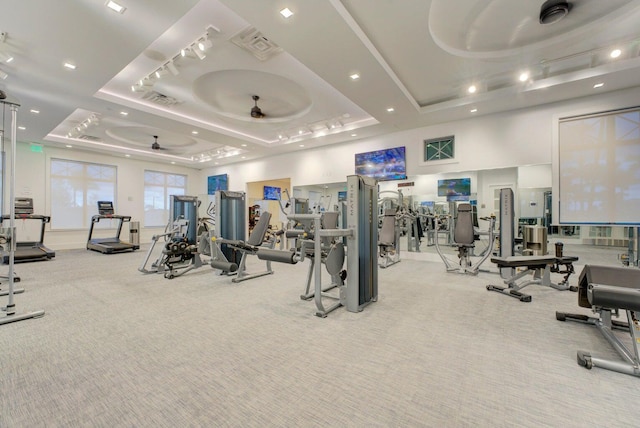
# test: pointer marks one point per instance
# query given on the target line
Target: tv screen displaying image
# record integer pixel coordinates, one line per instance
(217, 182)
(455, 187)
(271, 193)
(342, 196)
(388, 164)
(454, 198)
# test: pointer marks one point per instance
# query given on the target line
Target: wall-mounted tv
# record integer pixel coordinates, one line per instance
(271, 193)
(387, 164)
(455, 189)
(342, 195)
(217, 182)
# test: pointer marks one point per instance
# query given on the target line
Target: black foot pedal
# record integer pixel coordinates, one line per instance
(510, 292)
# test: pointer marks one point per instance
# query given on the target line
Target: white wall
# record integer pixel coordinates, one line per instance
(492, 145)
(32, 180)
(517, 138)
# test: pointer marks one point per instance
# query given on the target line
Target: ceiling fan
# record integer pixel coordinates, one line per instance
(156, 145)
(256, 112)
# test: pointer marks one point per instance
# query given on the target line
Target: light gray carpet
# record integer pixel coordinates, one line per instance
(118, 348)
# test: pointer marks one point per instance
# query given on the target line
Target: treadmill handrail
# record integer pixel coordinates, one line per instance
(44, 218)
(96, 218)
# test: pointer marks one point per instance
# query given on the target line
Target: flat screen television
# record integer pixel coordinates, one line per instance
(387, 164)
(271, 193)
(217, 182)
(458, 189)
(342, 195)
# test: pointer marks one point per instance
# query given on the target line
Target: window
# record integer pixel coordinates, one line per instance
(158, 187)
(76, 188)
(436, 149)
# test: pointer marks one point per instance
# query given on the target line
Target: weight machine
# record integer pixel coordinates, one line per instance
(361, 236)
(183, 248)
(11, 314)
(463, 238)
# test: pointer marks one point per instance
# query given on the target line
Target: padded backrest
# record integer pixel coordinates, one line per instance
(260, 230)
(463, 232)
(388, 232)
(329, 220)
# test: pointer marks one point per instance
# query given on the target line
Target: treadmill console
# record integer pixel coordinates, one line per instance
(105, 208)
(24, 205)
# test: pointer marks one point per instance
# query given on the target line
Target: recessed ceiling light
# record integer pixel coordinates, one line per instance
(127, 156)
(355, 76)
(173, 163)
(301, 145)
(472, 89)
(8, 60)
(69, 146)
(473, 110)
(34, 111)
(124, 113)
(598, 85)
(390, 109)
(22, 128)
(354, 135)
(286, 12)
(244, 145)
(615, 53)
(70, 66)
(215, 163)
(115, 6)
(524, 76)
(194, 132)
(244, 157)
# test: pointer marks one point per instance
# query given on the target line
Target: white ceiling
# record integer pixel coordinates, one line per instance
(417, 56)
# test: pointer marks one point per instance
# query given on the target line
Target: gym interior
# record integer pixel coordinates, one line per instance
(153, 276)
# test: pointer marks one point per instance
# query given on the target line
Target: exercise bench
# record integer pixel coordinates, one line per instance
(540, 267)
(606, 290)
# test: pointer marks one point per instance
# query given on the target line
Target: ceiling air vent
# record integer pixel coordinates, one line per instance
(158, 98)
(258, 45)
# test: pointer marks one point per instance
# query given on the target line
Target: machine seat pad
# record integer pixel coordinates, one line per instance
(610, 287)
(532, 262)
(565, 260)
(241, 245)
(614, 297)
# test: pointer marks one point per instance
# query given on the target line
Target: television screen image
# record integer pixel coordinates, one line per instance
(271, 193)
(455, 187)
(428, 204)
(217, 182)
(388, 164)
(455, 198)
(342, 196)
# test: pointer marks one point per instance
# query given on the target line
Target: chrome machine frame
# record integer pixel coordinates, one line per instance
(10, 308)
(361, 234)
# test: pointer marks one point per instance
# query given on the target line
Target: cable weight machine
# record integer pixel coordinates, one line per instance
(10, 311)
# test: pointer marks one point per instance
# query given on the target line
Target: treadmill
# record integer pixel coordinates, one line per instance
(113, 244)
(27, 251)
